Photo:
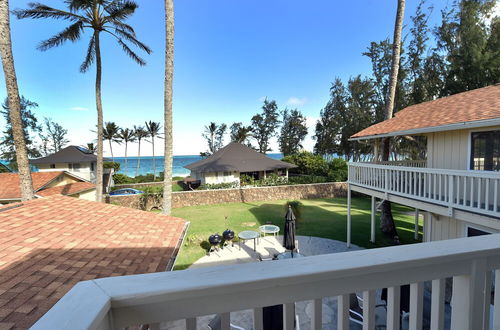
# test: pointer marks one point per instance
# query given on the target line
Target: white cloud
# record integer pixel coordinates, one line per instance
(79, 109)
(296, 101)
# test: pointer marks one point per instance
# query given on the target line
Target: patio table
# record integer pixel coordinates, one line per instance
(269, 229)
(247, 235)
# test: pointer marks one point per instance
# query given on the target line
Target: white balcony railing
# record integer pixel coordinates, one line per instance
(472, 191)
(117, 302)
(407, 163)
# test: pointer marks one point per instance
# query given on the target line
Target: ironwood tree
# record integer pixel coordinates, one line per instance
(265, 125)
(293, 132)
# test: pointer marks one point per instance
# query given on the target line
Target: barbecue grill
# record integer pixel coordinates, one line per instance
(228, 236)
(214, 241)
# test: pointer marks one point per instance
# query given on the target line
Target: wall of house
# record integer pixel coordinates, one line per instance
(83, 172)
(87, 195)
(451, 149)
(218, 177)
(62, 180)
(442, 227)
(238, 195)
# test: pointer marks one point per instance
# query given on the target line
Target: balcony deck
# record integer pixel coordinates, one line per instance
(447, 192)
(117, 302)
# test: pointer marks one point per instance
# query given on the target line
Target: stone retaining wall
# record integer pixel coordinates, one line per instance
(139, 185)
(238, 195)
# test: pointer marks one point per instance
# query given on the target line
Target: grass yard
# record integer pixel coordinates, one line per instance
(321, 217)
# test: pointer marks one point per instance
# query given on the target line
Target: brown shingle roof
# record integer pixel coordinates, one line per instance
(47, 245)
(9, 183)
(475, 105)
(67, 189)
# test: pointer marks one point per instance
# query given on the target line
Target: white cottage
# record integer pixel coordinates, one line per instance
(457, 186)
(227, 164)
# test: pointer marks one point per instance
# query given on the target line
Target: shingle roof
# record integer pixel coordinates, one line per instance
(71, 154)
(237, 157)
(67, 189)
(47, 245)
(475, 105)
(10, 189)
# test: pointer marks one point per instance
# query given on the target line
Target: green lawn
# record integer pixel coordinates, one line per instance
(321, 217)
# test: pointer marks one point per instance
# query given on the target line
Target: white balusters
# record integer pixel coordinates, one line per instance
(393, 307)
(225, 321)
(416, 305)
(258, 319)
(317, 314)
(437, 304)
(191, 323)
(289, 316)
(368, 310)
(343, 312)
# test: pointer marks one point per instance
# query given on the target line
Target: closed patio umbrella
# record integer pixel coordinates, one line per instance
(289, 235)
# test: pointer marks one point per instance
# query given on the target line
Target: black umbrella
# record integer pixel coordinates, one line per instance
(289, 236)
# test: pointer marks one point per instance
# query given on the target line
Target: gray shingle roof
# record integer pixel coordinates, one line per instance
(237, 157)
(71, 154)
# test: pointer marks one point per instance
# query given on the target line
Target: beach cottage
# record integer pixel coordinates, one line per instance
(229, 163)
(457, 185)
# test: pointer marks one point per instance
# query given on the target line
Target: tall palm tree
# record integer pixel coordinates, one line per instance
(98, 16)
(14, 104)
(111, 133)
(127, 135)
(154, 130)
(167, 129)
(387, 225)
(140, 133)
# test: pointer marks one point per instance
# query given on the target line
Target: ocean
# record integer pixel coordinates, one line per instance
(146, 164)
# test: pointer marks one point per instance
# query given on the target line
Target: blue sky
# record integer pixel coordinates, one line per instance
(229, 55)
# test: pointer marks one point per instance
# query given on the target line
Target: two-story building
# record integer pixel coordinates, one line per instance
(457, 185)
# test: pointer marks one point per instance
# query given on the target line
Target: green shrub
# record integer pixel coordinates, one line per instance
(337, 170)
(307, 179)
(273, 180)
(120, 178)
(247, 180)
(114, 165)
(308, 163)
(153, 190)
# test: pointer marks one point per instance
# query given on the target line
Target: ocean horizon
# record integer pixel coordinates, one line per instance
(129, 167)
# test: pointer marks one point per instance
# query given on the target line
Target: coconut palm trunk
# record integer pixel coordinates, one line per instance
(126, 159)
(138, 159)
(100, 121)
(111, 150)
(154, 161)
(169, 75)
(14, 103)
(387, 225)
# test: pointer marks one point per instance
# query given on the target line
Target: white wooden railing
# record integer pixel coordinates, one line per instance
(407, 163)
(474, 191)
(117, 302)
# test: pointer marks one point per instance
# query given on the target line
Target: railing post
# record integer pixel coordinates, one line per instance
(417, 216)
(372, 221)
(393, 307)
(437, 304)
(416, 305)
(348, 215)
(317, 314)
(369, 310)
(386, 188)
(450, 194)
(343, 312)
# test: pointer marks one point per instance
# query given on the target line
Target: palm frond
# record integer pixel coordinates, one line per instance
(75, 5)
(119, 10)
(38, 10)
(131, 53)
(123, 26)
(131, 38)
(71, 33)
(89, 58)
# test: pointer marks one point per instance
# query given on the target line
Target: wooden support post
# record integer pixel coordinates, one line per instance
(373, 215)
(417, 216)
(348, 215)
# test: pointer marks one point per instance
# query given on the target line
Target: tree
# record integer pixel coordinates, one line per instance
(53, 136)
(293, 132)
(240, 134)
(265, 124)
(127, 135)
(167, 129)
(387, 225)
(140, 133)
(154, 130)
(14, 104)
(91, 147)
(29, 126)
(214, 135)
(469, 39)
(98, 16)
(111, 133)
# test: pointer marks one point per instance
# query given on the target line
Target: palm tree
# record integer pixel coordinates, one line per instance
(98, 16)
(387, 225)
(14, 102)
(91, 147)
(140, 133)
(167, 129)
(153, 129)
(127, 135)
(111, 133)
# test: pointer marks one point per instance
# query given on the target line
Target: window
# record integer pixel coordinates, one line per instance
(92, 166)
(485, 151)
(227, 173)
(52, 165)
(74, 167)
(471, 232)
